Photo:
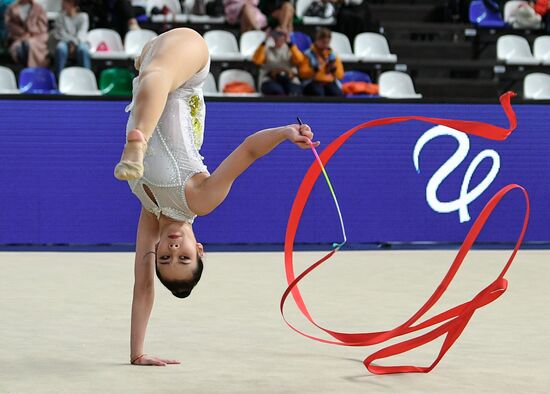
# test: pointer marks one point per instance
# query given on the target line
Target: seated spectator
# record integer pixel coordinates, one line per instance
(282, 11)
(322, 67)
(27, 25)
(68, 37)
(245, 12)
(112, 14)
(278, 75)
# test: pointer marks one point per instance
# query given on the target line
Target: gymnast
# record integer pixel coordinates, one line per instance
(164, 169)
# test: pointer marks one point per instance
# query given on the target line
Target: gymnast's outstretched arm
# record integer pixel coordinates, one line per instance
(144, 280)
(144, 289)
(214, 189)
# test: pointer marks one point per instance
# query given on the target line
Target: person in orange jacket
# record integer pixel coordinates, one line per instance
(278, 73)
(322, 67)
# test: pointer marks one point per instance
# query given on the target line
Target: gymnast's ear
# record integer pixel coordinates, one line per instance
(200, 249)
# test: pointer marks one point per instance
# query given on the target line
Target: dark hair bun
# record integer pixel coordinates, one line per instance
(182, 294)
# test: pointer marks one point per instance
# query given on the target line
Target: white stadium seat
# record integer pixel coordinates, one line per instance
(135, 40)
(536, 86)
(78, 81)
(222, 46)
(8, 83)
(250, 41)
(209, 88)
(373, 48)
(396, 85)
(109, 37)
(513, 49)
(233, 75)
(340, 44)
(541, 49)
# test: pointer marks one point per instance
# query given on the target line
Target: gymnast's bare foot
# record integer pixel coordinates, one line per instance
(130, 166)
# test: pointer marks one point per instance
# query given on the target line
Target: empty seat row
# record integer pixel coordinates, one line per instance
(368, 47)
(107, 44)
(118, 82)
(513, 49)
(76, 81)
(223, 46)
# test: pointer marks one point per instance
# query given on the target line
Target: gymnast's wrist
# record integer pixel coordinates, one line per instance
(286, 132)
(136, 357)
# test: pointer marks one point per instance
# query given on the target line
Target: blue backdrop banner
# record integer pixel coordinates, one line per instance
(408, 182)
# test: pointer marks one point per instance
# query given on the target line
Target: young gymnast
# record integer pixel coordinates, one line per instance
(163, 166)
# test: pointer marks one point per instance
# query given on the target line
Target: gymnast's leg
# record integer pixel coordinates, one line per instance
(175, 57)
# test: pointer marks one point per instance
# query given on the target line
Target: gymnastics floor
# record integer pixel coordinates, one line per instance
(65, 320)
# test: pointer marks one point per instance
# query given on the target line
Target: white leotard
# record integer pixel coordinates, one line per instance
(172, 155)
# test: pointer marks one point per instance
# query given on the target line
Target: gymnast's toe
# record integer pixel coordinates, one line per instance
(127, 171)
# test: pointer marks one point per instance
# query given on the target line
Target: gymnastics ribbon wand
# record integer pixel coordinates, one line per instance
(335, 245)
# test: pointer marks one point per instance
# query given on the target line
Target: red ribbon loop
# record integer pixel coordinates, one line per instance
(451, 322)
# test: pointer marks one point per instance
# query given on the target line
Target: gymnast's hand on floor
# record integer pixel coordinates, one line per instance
(300, 135)
(156, 361)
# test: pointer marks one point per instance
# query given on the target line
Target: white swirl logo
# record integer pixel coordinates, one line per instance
(466, 196)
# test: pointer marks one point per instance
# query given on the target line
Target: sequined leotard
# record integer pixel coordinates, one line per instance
(172, 155)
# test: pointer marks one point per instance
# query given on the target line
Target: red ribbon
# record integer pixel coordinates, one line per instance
(454, 320)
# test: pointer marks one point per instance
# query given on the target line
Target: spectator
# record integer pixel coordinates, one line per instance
(282, 11)
(27, 25)
(68, 38)
(322, 67)
(113, 14)
(245, 12)
(278, 75)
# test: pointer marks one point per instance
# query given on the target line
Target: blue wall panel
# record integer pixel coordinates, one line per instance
(58, 156)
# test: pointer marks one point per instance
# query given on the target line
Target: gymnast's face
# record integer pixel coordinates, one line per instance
(177, 252)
